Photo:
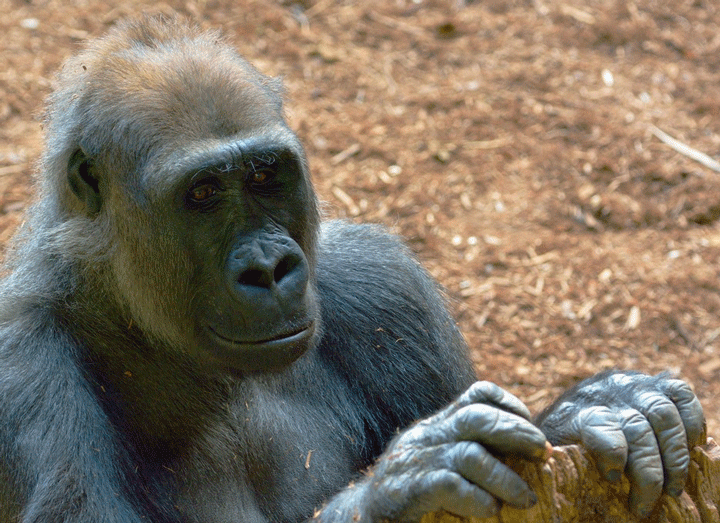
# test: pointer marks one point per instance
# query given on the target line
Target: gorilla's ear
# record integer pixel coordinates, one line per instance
(83, 183)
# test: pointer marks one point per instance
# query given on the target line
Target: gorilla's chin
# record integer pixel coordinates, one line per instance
(266, 355)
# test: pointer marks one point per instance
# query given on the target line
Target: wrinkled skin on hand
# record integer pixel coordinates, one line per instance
(641, 425)
(450, 461)
(633, 423)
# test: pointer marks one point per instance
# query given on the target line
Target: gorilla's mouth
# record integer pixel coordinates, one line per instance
(265, 355)
(290, 337)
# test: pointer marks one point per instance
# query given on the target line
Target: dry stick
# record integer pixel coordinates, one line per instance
(344, 155)
(12, 169)
(686, 149)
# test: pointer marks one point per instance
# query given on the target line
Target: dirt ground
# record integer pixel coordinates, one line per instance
(511, 142)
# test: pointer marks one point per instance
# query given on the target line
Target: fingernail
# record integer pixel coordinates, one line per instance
(613, 475)
(531, 499)
(643, 512)
(675, 491)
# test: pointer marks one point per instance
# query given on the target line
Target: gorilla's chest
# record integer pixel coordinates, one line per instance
(276, 465)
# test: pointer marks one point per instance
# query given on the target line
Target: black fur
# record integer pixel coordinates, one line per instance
(110, 412)
(181, 340)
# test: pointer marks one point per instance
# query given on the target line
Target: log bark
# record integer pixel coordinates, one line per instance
(570, 490)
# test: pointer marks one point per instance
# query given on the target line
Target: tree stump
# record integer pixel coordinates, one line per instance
(570, 490)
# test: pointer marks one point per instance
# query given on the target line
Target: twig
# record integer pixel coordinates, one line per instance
(686, 150)
(577, 14)
(344, 155)
(12, 169)
(396, 24)
(489, 144)
(345, 198)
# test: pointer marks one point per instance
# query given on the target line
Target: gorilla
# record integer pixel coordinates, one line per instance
(183, 340)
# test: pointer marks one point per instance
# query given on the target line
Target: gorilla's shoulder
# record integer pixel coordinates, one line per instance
(368, 264)
(346, 242)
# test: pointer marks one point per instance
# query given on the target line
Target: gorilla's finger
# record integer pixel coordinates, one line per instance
(483, 392)
(600, 431)
(447, 490)
(491, 394)
(670, 435)
(690, 410)
(480, 467)
(644, 465)
(498, 430)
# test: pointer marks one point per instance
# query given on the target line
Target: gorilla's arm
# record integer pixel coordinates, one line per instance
(387, 329)
(448, 461)
(65, 460)
(633, 423)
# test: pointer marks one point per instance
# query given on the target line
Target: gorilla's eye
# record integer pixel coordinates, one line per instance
(261, 176)
(202, 192)
(265, 182)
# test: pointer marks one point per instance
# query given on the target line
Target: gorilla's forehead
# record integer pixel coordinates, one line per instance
(197, 97)
(165, 170)
(184, 87)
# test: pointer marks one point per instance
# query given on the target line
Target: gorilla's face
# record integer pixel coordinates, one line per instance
(213, 212)
(222, 260)
(249, 231)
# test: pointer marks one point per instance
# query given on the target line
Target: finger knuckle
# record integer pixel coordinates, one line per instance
(654, 402)
(463, 452)
(635, 425)
(483, 390)
(477, 417)
(663, 411)
(446, 484)
(679, 389)
(622, 379)
(597, 416)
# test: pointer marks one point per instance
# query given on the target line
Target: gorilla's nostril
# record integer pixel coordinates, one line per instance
(265, 273)
(285, 266)
(256, 278)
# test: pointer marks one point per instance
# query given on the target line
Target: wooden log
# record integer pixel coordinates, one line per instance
(570, 489)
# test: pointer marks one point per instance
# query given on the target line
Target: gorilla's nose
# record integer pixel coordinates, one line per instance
(270, 270)
(274, 270)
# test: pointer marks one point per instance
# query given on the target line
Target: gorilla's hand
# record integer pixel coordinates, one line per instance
(632, 422)
(448, 461)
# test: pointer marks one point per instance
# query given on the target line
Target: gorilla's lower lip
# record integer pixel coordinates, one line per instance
(266, 355)
(281, 339)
